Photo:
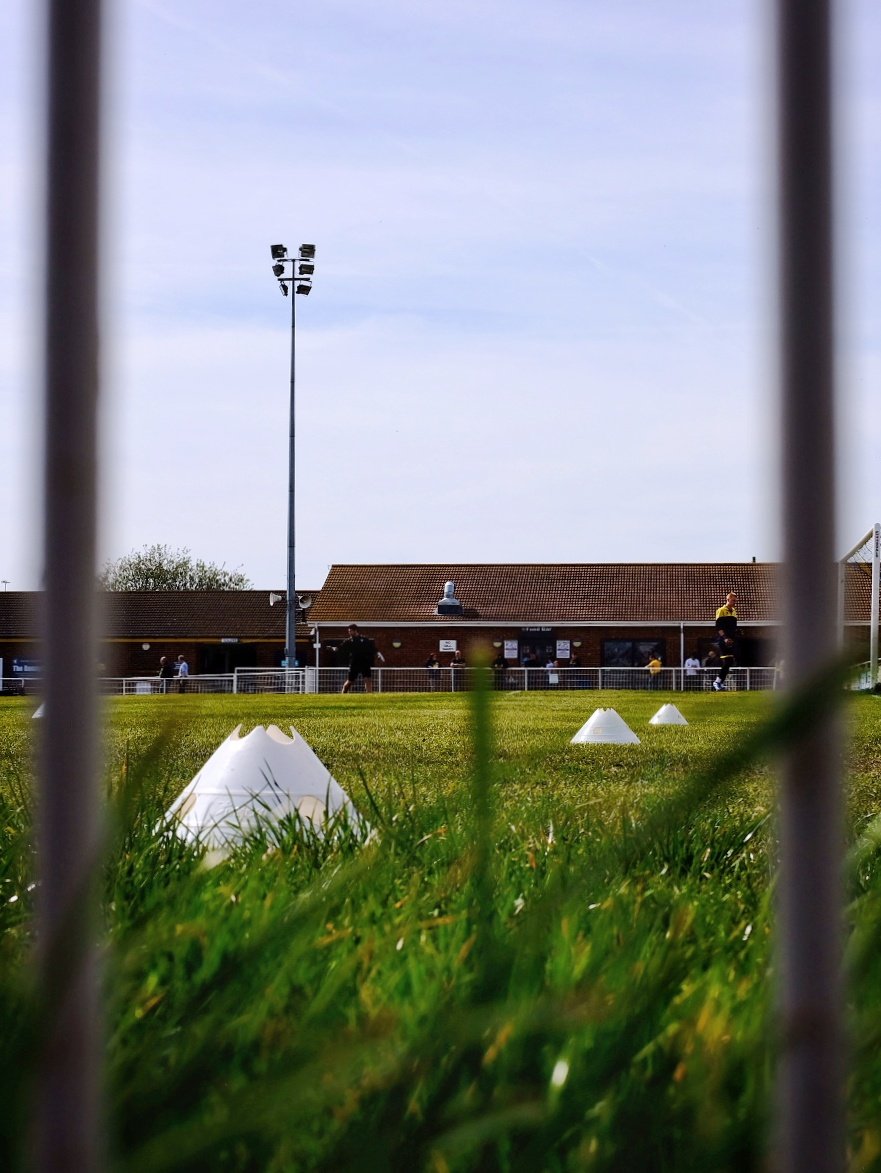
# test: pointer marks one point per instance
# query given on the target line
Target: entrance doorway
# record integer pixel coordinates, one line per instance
(537, 650)
(220, 661)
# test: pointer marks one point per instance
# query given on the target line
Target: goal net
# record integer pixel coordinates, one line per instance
(859, 582)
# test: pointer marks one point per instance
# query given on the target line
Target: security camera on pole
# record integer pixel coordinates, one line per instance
(298, 280)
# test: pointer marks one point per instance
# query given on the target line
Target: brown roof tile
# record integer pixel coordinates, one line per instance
(245, 615)
(576, 593)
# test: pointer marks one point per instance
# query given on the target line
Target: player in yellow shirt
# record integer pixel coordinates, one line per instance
(726, 639)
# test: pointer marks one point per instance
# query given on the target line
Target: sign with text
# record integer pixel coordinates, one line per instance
(447, 645)
(26, 667)
(563, 652)
(511, 649)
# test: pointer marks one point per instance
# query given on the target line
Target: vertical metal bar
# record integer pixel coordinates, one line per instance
(809, 1082)
(67, 1113)
(842, 600)
(873, 609)
(291, 601)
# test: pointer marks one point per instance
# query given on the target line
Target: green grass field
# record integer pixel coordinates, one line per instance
(550, 957)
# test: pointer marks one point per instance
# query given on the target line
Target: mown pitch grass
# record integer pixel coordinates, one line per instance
(543, 961)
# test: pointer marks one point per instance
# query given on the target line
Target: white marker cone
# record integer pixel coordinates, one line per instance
(255, 781)
(605, 727)
(668, 715)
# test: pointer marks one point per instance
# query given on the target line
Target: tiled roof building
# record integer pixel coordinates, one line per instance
(556, 593)
(606, 612)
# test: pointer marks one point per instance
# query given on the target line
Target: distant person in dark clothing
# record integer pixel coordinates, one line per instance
(726, 639)
(166, 673)
(359, 652)
(456, 664)
(433, 666)
(499, 666)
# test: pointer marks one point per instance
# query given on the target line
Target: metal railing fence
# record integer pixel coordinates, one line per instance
(430, 680)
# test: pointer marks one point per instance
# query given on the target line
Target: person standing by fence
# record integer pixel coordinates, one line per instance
(166, 673)
(433, 666)
(500, 670)
(456, 665)
(183, 672)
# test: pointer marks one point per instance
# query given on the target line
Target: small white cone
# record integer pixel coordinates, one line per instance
(668, 715)
(605, 727)
(37, 713)
(254, 781)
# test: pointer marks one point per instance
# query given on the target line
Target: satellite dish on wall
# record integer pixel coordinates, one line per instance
(274, 598)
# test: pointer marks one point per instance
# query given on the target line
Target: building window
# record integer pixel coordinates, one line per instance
(631, 653)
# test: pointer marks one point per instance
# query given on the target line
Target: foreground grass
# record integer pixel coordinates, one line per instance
(543, 961)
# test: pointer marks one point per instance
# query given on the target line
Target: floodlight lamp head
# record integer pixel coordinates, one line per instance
(304, 287)
(278, 269)
(306, 267)
(307, 252)
(283, 287)
(279, 251)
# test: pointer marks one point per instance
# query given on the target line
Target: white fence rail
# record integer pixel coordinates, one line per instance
(429, 680)
(329, 680)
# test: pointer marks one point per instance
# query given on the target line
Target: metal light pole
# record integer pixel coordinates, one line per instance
(298, 281)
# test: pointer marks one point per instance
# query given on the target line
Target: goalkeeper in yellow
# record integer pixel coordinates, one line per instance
(726, 639)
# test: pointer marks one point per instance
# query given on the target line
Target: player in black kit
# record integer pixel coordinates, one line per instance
(726, 639)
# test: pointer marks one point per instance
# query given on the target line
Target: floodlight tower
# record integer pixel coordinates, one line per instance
(298, 280)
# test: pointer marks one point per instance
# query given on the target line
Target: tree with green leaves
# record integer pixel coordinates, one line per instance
(159, 568)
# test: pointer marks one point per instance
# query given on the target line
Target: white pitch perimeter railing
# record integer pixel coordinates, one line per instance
(330, 680)
(429, 680)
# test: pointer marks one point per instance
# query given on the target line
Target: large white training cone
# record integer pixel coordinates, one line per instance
(605, 727)
(668, 715)
(254, 781)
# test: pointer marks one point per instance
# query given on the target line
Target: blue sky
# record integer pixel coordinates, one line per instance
(542, 323)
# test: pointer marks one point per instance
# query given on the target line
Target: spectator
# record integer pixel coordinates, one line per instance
(692, 673)
(166, 673)
(456, 665)
(499, 666)
(183, 672)
(655, 666)
(711, 664)
(433, 666)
